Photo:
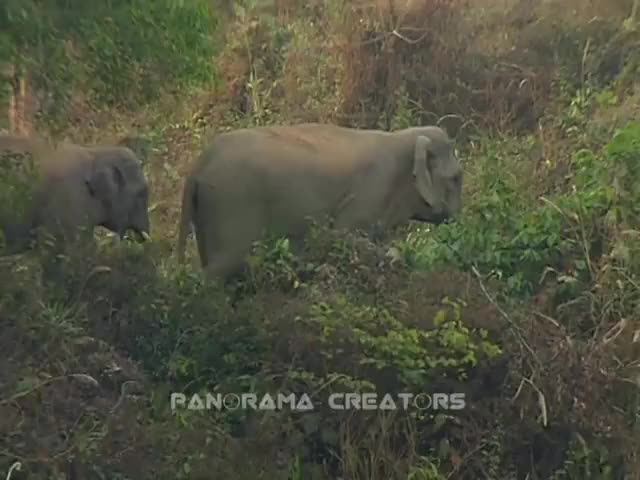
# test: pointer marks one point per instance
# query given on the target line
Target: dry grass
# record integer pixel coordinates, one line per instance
(488, 61)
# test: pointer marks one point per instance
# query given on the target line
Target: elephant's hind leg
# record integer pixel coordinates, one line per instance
(229, 241)
(200, 232)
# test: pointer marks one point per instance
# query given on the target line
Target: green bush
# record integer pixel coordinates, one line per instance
(118, 53)
(506, 233)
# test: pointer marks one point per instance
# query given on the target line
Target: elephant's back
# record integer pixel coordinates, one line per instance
(65, 160)
(289, 151)
(24, 156)
(17, 144)
(47, 156)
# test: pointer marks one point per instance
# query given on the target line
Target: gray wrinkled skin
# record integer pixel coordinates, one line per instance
(79, 188)
(278, 178)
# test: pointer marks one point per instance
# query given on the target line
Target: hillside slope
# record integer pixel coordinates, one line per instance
(528, 304)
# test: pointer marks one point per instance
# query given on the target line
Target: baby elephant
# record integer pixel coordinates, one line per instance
(78, 188)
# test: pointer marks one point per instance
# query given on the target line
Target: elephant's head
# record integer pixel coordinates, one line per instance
(117, 182)
(437, 174)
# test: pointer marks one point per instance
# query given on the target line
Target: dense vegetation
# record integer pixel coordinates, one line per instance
(529, 304)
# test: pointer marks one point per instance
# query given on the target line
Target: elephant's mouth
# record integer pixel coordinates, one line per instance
(435, 219)
(441, 219)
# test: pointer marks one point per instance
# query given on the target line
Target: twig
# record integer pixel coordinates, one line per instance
(94, 271)
(614, 332)
(409, 40)
(585, 56)
(17, 466)
(514, 327)
(550, 319)
(542, 402)
(559, 210)
(451, 115)
(122, 394)
(81, 376)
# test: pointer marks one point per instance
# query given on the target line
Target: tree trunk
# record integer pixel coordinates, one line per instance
(19, 123)
(7, 73)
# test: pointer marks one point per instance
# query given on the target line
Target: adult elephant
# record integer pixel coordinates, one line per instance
(280, 177)
(77, 188)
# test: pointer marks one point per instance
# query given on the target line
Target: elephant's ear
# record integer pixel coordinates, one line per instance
(421, 171)
(104, 183)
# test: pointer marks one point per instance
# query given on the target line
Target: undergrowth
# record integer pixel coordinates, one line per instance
(527, 304)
